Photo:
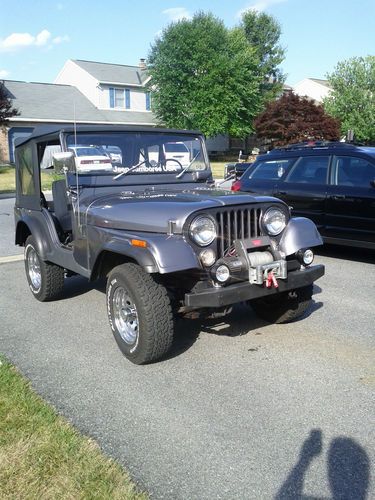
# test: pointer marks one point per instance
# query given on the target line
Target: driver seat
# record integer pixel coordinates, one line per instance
(62, 206)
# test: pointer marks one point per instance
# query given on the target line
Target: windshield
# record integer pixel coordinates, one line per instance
(138, 153)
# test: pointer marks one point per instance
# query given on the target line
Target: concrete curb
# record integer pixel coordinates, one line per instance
(4, 196)
(11, 258)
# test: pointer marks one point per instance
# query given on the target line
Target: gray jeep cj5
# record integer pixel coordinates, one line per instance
(137, 206)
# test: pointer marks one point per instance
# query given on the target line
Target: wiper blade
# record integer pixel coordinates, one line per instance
(131, 169)
(178, 176)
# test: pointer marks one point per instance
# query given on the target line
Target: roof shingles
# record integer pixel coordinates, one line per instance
(114, 73)
(52, 102)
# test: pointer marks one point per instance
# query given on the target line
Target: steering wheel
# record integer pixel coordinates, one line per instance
(174, 159)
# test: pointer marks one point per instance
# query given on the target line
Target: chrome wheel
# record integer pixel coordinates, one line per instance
(125, 315)
(33, 268)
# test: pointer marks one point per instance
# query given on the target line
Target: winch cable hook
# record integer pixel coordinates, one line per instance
(271, 280)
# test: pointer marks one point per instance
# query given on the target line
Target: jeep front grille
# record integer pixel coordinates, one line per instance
(237, 223)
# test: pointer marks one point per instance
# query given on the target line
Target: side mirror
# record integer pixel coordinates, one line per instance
(201, 175)
(63, 162)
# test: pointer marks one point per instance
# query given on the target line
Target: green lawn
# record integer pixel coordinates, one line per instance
(217, 168)
(42, 456)
(8, 181)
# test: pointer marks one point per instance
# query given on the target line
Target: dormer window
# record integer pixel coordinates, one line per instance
(119, 98)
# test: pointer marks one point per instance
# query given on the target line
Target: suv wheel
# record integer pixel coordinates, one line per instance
(285, 307)
(140, 314)
(46, 280)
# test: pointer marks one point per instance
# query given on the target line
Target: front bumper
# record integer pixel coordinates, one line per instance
(231, 294)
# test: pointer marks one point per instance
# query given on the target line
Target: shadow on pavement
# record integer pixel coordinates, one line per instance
(78, 285)
(347, 253)
(241, 321)
(348, 469)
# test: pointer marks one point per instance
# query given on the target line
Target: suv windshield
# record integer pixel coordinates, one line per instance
(143, 152)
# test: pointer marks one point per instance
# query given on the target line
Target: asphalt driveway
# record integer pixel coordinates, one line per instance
(240, 409)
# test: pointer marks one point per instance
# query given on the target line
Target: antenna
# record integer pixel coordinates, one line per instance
(77, 184)
(75, 124)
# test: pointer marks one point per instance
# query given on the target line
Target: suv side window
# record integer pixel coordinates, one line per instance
(25, 158)
(310, 169)
(352, 171)
(271, 169)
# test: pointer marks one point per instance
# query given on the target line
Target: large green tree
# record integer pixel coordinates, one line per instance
(6, 107)
(263, 33)
(206, 77)
(293, 119)
(352, 99)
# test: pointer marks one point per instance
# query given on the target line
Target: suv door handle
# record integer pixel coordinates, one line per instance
(338, 197)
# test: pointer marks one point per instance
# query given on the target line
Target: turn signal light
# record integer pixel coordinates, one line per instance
(236, 186)
(139, 243)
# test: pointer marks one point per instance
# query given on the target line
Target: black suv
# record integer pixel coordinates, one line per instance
(331, 183)
(149, 220)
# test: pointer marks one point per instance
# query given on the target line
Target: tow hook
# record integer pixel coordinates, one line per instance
(271, 280)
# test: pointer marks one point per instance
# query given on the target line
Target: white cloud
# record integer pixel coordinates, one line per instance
(259, 6)
(177, 13)
(17, 41)
(4, 73)
(61, 39)
(42, 38)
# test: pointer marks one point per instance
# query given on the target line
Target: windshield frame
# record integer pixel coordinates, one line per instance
(148, 176)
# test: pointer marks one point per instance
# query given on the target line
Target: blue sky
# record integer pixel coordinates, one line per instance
(37, 37)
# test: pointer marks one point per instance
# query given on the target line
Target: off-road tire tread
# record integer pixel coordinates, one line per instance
(155, 316)
(52, 277)
(289, 310)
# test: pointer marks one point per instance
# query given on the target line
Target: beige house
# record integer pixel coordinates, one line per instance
(313, 88)
(87, 92)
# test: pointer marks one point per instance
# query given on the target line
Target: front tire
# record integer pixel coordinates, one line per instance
(46, 280)
(139, 313)
(285, 307)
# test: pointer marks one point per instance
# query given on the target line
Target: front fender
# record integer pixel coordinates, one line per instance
(163, 253)
(300, 233)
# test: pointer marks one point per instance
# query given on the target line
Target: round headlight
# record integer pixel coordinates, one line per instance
(274, 221)
(203, 230)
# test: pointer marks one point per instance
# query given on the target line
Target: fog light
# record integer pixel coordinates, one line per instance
(306, 257)
(207, 257)
(222, 273)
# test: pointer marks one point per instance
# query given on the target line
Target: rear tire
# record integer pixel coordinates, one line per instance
(285, 307)
(46, 280)
(139, 313)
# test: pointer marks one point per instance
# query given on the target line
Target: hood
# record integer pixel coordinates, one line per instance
(150, 210)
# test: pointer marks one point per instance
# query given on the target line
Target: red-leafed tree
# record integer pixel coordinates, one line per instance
(292, 118)
(6, 107)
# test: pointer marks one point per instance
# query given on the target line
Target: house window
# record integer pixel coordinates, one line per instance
(119, 98)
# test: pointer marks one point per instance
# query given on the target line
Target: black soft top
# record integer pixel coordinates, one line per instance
(53, 131)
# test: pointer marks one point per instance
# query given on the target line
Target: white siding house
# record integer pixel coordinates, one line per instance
(112, 87)
(313, 88)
